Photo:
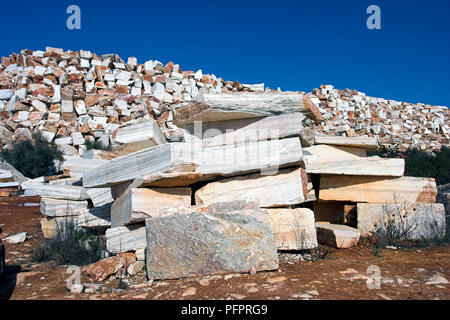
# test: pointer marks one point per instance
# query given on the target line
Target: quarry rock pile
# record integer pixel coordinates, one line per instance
(206, 176)
(73, 97)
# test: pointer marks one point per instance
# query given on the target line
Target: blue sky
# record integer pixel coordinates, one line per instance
(296, 45)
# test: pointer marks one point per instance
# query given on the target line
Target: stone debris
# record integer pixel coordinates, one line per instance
(190, 159)
(137, 135)
(17, 238)
(337, 235)
(396, 125)
(437, 279)
(123, 239)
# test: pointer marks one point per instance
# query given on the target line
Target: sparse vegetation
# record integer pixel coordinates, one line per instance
(33, 158)
(71, 245)
(396, 231)
(96, 145)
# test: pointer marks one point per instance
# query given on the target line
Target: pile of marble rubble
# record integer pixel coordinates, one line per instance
(250, 179)
(73, 97)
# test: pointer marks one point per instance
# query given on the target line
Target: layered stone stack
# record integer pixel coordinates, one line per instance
(203, 176)
(397, 125)
(370, 193)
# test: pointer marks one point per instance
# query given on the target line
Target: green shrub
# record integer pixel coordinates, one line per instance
(422, 163)
(96, 145)
(33, 158)
(71, 246)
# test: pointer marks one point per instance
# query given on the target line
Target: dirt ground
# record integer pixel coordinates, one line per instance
(342, 274)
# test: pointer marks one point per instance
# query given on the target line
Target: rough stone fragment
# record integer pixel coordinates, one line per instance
(288, 187)
(204, 244)
(17, 238)
(100, 196)
(104, 268)
(337, 235)
(377, 189)
(137, 136)
(123, 239)
(410, 221)
(293, 228)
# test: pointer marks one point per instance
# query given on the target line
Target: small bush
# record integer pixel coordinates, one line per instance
(72, 246)
(96, 145)
(33, 159)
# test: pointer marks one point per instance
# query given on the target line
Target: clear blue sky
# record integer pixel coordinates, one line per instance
(296, 45)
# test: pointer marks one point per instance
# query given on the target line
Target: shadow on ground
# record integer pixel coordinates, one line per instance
(8, 283)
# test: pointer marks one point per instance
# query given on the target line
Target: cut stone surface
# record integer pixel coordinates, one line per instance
(61, 208)
(337, 235)
(243, 206)
(411, 221)
(370, 166)
(137, 135)
(247, 130)
(264, 156)
(75, 166)
(220, 107)
(378, 189)
(97, 217)
(137, 204)
(323, 152)
(288, 187)
(293, 228)
(123, 239)
(59, 191)
(100, 196)
(170, 179)
(6, 176)
(204, 244)
(173, 157)
(362, 142)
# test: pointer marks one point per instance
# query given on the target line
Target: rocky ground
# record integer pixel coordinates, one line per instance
(340, 274)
